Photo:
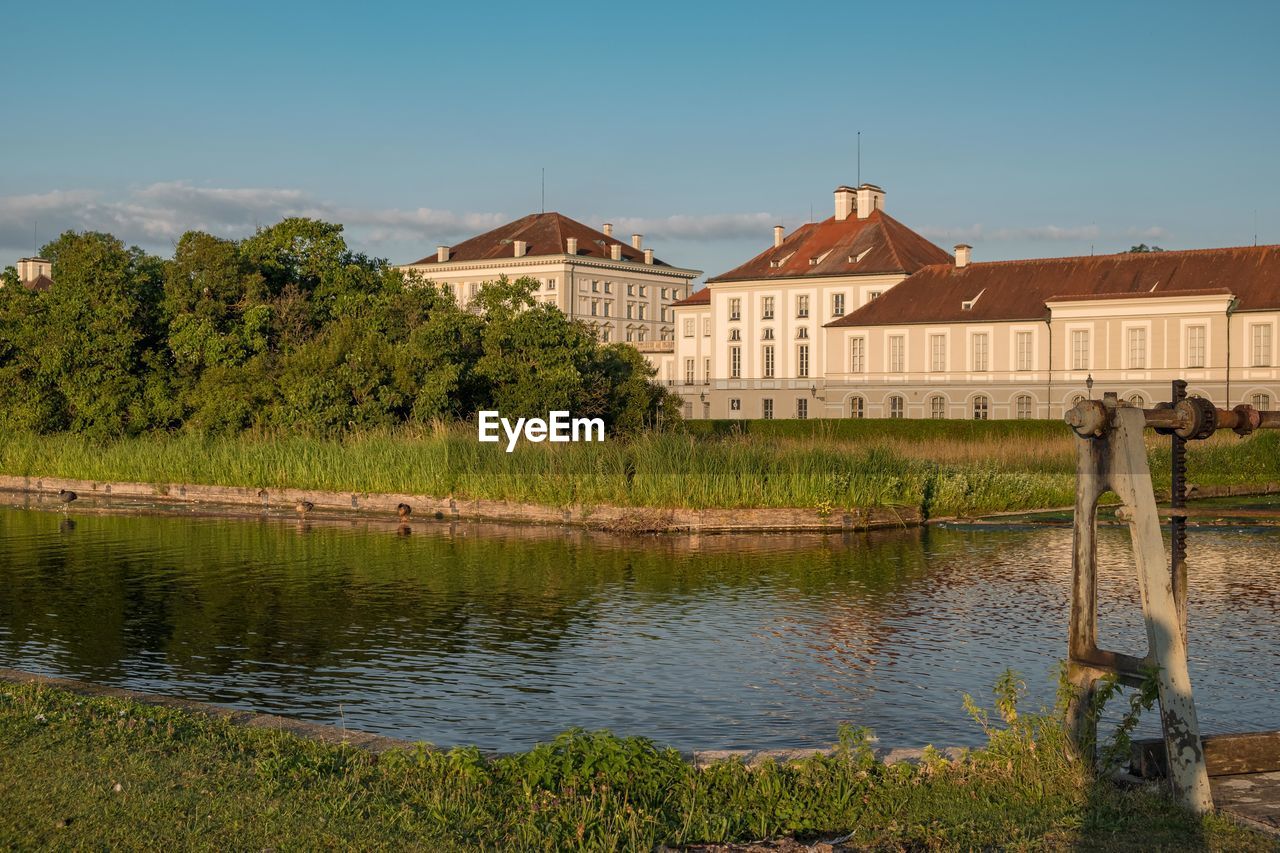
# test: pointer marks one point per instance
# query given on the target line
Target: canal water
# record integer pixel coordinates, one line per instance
(505, 636)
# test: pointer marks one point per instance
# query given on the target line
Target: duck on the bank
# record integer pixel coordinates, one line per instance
(304, 507)
(404, 511)
(66, 495)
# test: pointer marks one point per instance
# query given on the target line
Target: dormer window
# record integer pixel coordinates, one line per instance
(968, 304)
(782, 260)
(813, 262)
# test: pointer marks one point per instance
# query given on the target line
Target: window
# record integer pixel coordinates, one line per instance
(1137, 349)
(766, 334)
(606, 308)
(802, 332)
(857, 407)
(706, 327)
(1080, 349)
(642, 308)
(1195, 346)
(688, 410)
(706, 371)
(595, 307)
(897, 406)
(735, 309)
(608, 287)
(1261, 402)
(735, 405)
(630, 309)
(802, 306)
(644, 290)
(980, 351)
(640, 333)
(631, 289)
(706, 411)
(768, 362)
(664, 293)
(735, 362)
(937, 353)
(551, 284)
(802, 360)
(837, 305)
(1138, 401)
(688, 371)
(937, 407)
(595, 287)
(604, 334)
(873, 295)
(802, 408)
(981, 407)
(688, 327)
(766, 307)
(897, 353)
(766, 409)
(1022, 406)
(735, 334)
(858, 356)
(1023, 347)
(1261, 346)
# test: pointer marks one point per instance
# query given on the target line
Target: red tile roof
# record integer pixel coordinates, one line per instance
(1018, 290)
(546, 234)
(877, 244)
(702, 297)
(40, 283)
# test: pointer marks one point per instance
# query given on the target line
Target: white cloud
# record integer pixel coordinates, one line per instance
(1038, 233)
(155, 216)
(715, 226)
(158, 214)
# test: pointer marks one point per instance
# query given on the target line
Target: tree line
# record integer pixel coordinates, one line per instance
(290, 329)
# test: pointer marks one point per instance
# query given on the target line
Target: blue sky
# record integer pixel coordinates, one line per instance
(1024, 128)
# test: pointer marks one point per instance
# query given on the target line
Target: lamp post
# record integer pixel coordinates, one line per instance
(1088, 384)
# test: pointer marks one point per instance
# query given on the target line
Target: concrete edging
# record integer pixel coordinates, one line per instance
(613, 518)
(381, 743)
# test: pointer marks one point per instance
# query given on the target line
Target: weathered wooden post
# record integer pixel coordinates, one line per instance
(1112, 456)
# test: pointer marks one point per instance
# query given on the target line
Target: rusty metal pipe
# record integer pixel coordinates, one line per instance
(1092, 418)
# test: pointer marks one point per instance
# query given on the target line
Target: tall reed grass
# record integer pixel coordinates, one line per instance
(1005, 468)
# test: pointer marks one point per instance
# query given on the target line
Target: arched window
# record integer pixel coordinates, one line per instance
(1137, 400)
(981, 407)
(1022, 406)
(1261, 402)
(937, 406)
(857, 407)
(897, 407)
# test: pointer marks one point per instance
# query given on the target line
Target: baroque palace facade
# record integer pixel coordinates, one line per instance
(858, 316)
(620, 290)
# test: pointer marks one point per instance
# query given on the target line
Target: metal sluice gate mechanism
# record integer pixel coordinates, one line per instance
(1112, 457)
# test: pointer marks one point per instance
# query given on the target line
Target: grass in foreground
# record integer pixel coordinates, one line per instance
(79, 772)
(941, 468)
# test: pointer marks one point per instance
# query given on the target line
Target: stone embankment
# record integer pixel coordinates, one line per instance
(619, 519)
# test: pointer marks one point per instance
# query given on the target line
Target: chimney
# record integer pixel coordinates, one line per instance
(521, 247)
(777, 235)
(442, 253)
(962, 254)
(615, 251)
(30, 269)
(637, 240)
(844, 202)
(648, 256)
(571, 246)
(870, 197)
(607, 228)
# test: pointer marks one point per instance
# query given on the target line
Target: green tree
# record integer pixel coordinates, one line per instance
(1143, 247)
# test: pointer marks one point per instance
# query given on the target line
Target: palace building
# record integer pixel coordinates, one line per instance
(858, 316)
(622, 291)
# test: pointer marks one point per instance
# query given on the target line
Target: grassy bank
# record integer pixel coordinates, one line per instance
(96, 772)
(942, 467)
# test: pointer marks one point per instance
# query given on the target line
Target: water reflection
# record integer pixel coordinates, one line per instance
(505, 636)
